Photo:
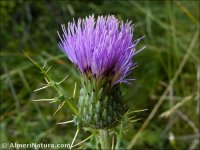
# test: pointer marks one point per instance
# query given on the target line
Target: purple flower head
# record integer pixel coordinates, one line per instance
(103, 48)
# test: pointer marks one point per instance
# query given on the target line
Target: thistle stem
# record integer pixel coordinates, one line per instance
(104, 139)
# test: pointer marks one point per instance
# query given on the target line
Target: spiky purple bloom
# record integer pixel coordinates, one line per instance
(103, 48)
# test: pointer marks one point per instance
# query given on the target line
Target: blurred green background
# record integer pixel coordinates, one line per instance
(167, 74)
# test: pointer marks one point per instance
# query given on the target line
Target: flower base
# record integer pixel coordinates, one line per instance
(100, 104)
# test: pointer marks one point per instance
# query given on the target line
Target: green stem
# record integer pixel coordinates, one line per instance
(104, 139)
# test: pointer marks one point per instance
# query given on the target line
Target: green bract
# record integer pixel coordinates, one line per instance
(100, 104)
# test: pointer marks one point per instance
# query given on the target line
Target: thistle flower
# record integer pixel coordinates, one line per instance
(102, 50)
